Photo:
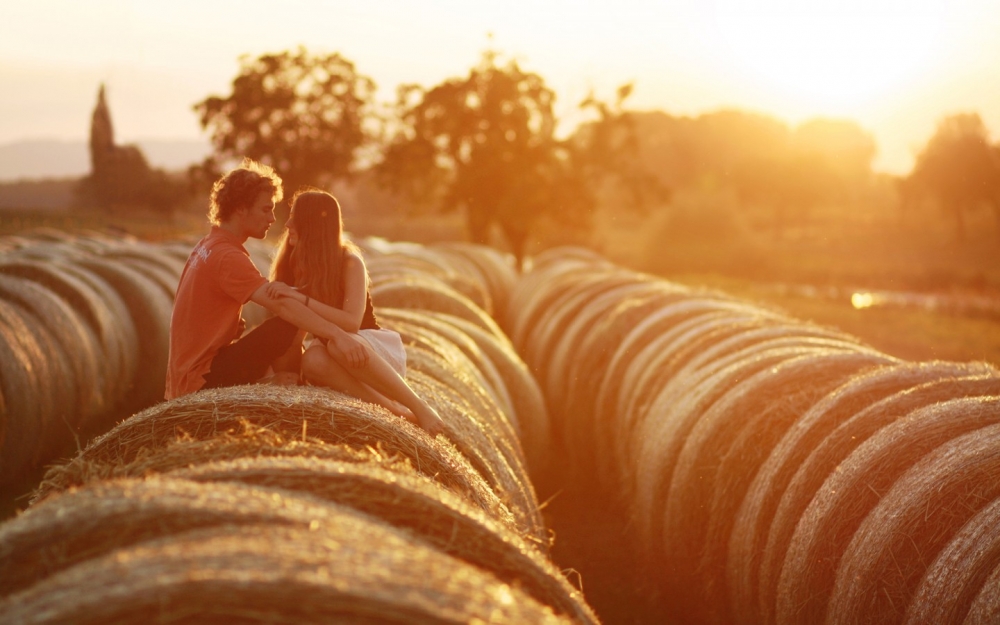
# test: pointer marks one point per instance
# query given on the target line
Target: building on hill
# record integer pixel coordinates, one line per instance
(120, 176)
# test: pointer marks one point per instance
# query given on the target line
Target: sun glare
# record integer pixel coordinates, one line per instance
(835, 57)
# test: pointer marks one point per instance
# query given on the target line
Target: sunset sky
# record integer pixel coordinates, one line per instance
(895, 66)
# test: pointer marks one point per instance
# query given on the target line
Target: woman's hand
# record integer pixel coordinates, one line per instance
(275, 290)
(353, 352)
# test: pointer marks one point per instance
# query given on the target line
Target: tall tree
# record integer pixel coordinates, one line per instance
(959, 168)
(305, 115)
(485, 144)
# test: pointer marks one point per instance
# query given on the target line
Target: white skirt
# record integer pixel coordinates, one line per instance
(389, 345)
(386, 343)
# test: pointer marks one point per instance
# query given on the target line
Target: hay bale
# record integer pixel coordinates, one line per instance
(985, 607)
(74, 335)
(154, 262)
(648, 334)
(662, 346)
(319, 414)
(525, 394)
(420, 327)
(497, 269)
(747, 543)
(23, 379)
(661, 433)
(903, 534)
(414, 503)
(536, 292)
(721, 455)
(498, 458)
(826, 528)
(95, 301)
(244, 441)
(541, 343)
(302, 562)
(150, 309)
(423, 294)
(961, 572)
(641, 417)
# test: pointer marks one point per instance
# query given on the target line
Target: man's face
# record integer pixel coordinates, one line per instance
(259, 216)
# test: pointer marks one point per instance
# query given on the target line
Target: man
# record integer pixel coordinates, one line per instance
(206, 346)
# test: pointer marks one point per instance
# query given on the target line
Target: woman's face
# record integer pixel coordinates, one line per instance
(293, 232)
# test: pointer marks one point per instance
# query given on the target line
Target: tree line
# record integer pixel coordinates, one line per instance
(487, 144)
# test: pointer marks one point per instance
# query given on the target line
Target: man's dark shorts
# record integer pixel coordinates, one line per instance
(246, 360)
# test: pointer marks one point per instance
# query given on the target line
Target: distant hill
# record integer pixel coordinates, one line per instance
(50, 158)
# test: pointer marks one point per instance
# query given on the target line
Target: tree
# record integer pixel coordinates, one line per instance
(485, 144)
(305, 115)
(958, 168)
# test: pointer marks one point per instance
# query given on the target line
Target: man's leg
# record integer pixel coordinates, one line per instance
(246, 360)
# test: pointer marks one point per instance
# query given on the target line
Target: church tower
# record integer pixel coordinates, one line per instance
(102, 135)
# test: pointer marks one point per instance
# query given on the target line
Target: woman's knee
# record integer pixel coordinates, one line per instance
(315, 361)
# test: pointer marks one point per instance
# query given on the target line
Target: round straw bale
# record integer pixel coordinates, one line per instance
(526, 396)
(163, 268)
(249, 441)
(913, 522)
(747, 544)
(149, 308)
(722, 453)
(677, 408)
(104, 516)
(597, 370)
(415, 503)
(498, 458)
(25, 405)
(580, 361)
(349, 568)
(540, 344)
(960, 572)
(420, 327)
(562, 254)
(536, 292)
(70, 332)
(662, 345)
(849, 494)
(433, 296)
(498, 269)
(104, 311)
(318, 413)
(51, 364)
(985, 607)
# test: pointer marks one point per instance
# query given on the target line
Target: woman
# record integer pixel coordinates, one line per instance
(330, 278)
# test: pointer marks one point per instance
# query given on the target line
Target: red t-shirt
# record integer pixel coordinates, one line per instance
(217, 280)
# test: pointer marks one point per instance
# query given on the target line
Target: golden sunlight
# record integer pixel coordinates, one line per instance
(834, 57)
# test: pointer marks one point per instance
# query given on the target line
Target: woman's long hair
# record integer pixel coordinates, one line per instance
(315, 263)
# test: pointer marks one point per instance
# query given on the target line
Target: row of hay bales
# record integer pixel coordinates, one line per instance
(84, 323)
(774, 471)
(296, 504)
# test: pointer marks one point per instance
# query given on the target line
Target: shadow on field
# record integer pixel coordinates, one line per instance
(594, 545)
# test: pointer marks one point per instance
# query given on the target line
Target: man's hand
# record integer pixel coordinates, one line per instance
(351, 348)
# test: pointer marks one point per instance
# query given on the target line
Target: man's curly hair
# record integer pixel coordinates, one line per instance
(240, 187)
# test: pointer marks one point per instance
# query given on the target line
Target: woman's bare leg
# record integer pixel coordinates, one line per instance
(319, 368)
(381, 377)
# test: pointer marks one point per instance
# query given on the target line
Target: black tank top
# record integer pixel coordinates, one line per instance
(368, 320)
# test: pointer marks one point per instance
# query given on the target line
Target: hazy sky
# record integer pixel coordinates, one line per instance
(895, 66)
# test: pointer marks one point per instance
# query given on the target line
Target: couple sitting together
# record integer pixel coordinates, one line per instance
(318, 295)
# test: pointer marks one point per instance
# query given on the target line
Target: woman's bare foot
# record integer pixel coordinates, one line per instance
(400, 410)
(430, 421)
